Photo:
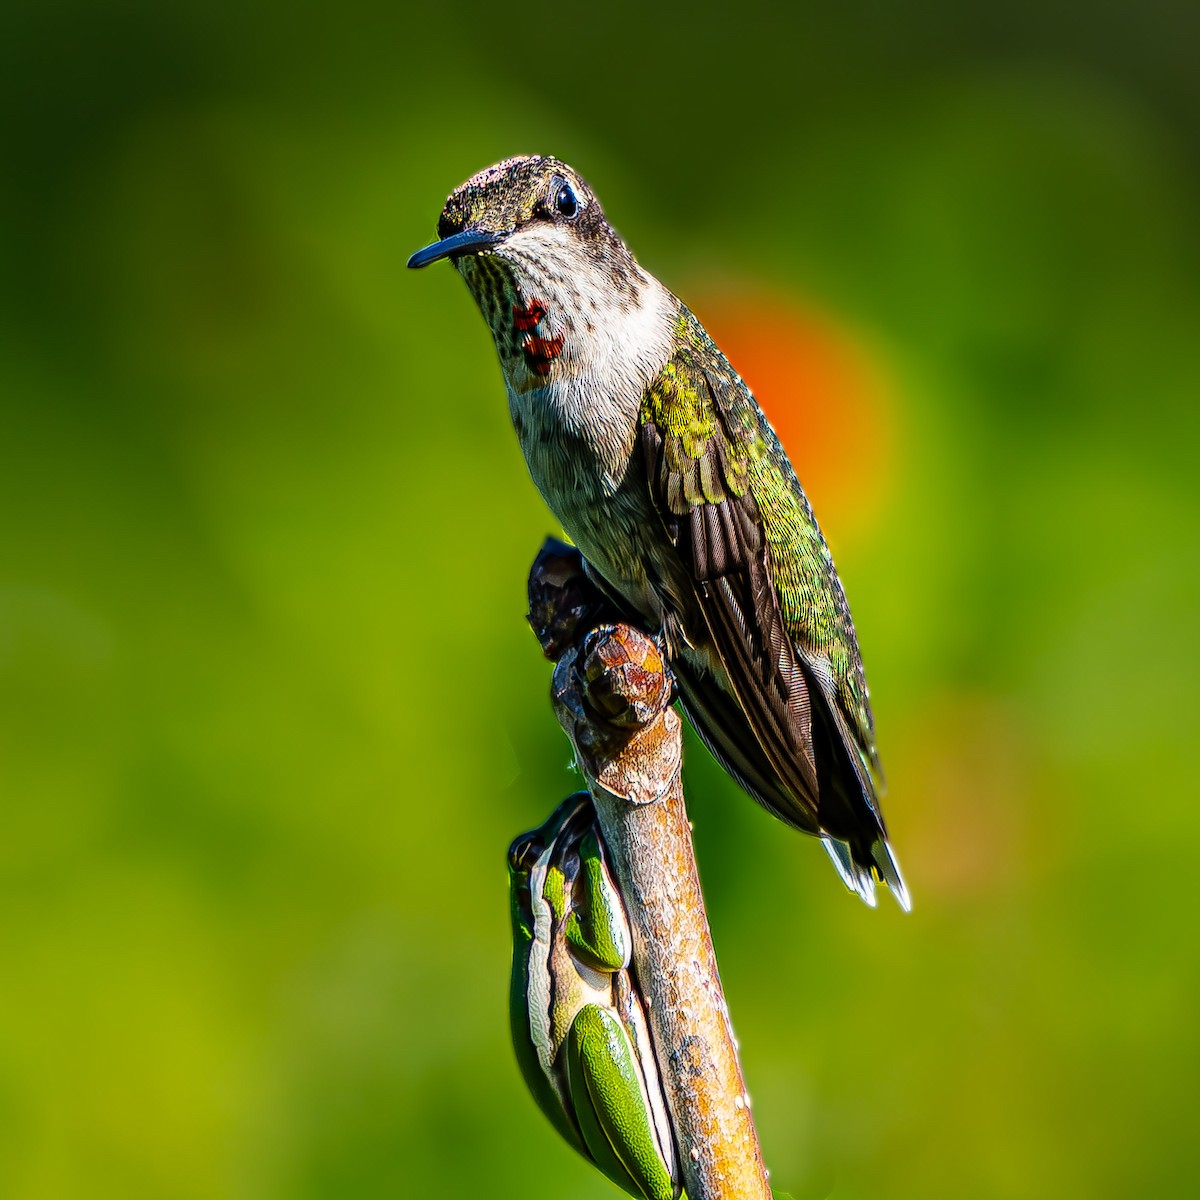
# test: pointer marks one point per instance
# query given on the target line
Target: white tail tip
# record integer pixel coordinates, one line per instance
(860, 879)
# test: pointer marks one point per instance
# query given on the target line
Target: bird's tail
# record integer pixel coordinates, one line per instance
(860, 878)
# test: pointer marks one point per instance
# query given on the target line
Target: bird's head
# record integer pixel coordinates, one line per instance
(546, 268)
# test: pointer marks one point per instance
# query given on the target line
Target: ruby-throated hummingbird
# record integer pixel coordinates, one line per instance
(653, 454)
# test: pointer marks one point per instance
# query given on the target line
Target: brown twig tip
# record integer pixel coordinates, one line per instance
(624, 677)
(613, 696)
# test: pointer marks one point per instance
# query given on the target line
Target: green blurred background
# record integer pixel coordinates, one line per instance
(269, 712)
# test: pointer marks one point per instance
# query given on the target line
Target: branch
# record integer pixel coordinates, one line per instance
(612, 695)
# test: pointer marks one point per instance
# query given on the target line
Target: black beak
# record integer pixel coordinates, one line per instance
(470, 241)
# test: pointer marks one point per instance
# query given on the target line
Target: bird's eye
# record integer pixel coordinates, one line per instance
(565, 202)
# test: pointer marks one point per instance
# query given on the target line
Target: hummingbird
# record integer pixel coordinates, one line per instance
(661, 467)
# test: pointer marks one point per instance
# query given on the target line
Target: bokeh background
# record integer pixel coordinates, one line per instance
(269, 712)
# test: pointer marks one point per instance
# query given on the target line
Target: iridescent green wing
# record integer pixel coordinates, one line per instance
(765, 585)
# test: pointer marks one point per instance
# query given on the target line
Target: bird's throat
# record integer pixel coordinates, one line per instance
(538, 349)
(530, 336)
